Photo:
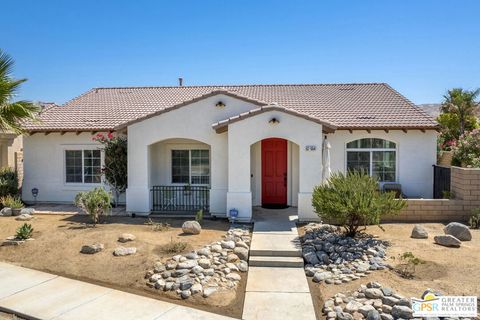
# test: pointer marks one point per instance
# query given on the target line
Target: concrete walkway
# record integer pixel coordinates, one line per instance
(39, 295)
(277, 287)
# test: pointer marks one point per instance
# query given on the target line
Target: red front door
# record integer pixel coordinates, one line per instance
(274, 172)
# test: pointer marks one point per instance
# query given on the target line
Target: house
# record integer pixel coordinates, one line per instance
(231, 147)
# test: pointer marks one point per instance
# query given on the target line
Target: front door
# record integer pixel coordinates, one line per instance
(274, 172)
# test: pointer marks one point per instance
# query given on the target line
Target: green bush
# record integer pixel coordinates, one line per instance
(8, 182)
(24, 232)
(467, 150)
(199, 216)
(12, 202)
(174, 246)
(354, 200)
(96, 203)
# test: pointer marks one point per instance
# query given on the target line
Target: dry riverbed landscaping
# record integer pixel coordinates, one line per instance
(155, 258)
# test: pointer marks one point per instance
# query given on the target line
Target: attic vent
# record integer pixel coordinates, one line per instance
(366, 117)
(124, 91)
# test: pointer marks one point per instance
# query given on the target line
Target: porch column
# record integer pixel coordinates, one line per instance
(239, 195)
(138, 192)
(310, 175)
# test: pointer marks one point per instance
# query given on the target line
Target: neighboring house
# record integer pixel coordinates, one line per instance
(231, 147)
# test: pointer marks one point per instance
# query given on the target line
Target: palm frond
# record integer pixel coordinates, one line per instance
(13, 115)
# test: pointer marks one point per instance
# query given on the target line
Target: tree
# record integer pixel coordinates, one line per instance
(95, 203)
(463, 104)
(12, 113)
(115, 168)
(354, 200)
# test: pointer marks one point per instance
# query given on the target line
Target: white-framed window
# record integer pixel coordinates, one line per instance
(191, 166)
(377, 157)
(83, 166)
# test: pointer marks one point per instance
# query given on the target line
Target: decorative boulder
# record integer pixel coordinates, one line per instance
(241, 253)
(458, 230)
(24, 217)
(124, 251)
(419, 232)
(6, 212)
(125, 237)
(92, 248)
(191, 227)
(447, 241)
(29, 211)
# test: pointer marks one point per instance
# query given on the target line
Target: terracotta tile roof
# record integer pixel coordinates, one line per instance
(347, 106)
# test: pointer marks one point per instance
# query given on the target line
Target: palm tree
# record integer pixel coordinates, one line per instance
(461, 103)
(12, 113)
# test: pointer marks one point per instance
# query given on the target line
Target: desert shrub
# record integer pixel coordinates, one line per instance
(8, 182)
(354, 200)
(95, 203)
(467, 150)
(474, 220)
(157, 226)
(408, 264)
(199, 216)
(24, 232)
(13, 202)
(174, 246)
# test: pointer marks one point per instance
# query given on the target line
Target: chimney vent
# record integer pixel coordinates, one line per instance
(180, 82)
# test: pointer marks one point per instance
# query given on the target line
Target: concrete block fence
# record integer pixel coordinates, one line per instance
(465, 190)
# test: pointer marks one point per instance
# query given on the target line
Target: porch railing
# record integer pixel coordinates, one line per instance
(180, 199)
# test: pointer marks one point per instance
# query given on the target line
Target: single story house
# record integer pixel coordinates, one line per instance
(231, 147)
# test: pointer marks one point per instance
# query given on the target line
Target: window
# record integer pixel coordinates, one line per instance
(191, 166)
(83, 166)
(377, 157)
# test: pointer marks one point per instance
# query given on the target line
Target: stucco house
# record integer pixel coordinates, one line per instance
(231, 147)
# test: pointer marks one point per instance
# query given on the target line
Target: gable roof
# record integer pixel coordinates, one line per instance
(347, 106)
(222, 125)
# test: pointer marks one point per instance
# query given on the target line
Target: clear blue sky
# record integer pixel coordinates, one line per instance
(64, 48)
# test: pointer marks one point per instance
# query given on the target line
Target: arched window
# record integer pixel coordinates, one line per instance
(375, 156)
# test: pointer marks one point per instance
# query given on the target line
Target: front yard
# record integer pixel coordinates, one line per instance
(59, 239)
(452, 271)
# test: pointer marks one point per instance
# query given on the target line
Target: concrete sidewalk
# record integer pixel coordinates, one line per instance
(38, 295)
(277, 287)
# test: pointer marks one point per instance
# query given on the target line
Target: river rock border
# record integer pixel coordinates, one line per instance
(334, 258)
(215, 267)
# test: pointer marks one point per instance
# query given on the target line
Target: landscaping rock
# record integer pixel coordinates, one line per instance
(126, 237)
(227, 244)
(373, 293)
(419, 232)
(204, 263)
(191, 227)
(447, 241)
(24, 217)
(459, 231)
(373, 315)
(402, 312)
(326, 249)
(6, 212)
(124, 251)
(188, 264)
(29, 211)
(241, 253)
(207, 292)
(92, 248)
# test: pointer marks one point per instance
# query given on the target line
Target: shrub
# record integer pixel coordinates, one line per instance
(408, 264)
(354, 200)
(467, 150)
(157, 226)
(174, 246)
(8, 182)
(199, 216)
(24, 232)
(95, 203)
(12, 202)
(474, 220)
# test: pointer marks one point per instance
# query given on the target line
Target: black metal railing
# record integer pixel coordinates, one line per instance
(186, 199)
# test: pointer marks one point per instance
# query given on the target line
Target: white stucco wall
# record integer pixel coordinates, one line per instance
(193, 121)
(44, 166)
(416, 153)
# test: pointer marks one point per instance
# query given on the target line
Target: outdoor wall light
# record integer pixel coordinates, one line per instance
(35, 194)
(274, 121)
(220, 104)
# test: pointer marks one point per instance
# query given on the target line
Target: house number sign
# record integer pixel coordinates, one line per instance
(310, 148)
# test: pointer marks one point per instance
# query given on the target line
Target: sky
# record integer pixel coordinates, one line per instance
(420, 47)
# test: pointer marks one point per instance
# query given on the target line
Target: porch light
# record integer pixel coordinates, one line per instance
(220, 104)
(35, 194)
(274, 121)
